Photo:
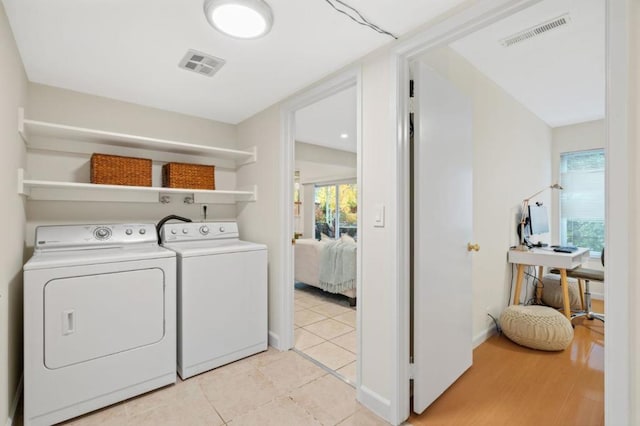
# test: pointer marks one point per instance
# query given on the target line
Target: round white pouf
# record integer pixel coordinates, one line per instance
(537, 327)
(552, 292)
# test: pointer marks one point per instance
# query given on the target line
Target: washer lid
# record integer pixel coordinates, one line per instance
(203, 248)
(58, 259)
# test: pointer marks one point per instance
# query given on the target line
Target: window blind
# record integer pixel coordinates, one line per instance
(582, 201)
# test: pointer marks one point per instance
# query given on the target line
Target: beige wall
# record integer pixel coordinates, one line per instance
(317, 154)
(320, 164)
(634, 117)
(511, 160)
(13, 90)
(261, 221)
(62, 106)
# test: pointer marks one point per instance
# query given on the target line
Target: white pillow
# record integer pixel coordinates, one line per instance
(325, 237)
(346, 238)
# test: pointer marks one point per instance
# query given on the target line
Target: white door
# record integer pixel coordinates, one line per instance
(442, 229)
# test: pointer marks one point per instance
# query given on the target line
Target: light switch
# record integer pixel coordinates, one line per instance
(378, 220)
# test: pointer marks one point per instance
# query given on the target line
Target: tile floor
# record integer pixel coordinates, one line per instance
(270, 388)
(325, 329)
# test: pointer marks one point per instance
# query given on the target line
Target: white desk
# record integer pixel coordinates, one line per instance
(542, 257)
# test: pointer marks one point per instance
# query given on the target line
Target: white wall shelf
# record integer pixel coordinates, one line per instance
(41, 135)
(38, 135)
(73, 191)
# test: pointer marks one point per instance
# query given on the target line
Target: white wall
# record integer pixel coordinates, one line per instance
(511, 161)
(577, 137)
(318, 164)
(378, 245)
(77, 109)
(13, 90)
(261, 221)
(634, 136)
(307, 211)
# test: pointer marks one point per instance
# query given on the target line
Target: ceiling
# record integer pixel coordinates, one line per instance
(130, 50)
(559, 75)
(330, 122)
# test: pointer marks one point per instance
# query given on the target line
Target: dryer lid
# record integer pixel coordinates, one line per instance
(203, 248)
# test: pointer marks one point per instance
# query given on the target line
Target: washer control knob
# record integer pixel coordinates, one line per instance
(185, 231)
(102, 233)
(222, 229)
(128, 232)
(142, 231)
(174, 232)
(204, 230)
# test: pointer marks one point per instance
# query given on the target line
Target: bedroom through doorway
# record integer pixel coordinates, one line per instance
(325, 211)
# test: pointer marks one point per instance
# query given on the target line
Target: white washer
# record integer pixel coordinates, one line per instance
(222, 294)
(99, 319)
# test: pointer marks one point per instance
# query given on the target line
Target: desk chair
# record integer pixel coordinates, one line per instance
(584, 275)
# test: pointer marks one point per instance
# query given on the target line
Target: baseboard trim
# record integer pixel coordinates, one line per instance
(14, 404)
(597, 296)
(274, 340)
(374, 402)
(483, 336)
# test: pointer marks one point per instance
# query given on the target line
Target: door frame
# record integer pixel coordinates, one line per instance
(343, 80)
(617, 339)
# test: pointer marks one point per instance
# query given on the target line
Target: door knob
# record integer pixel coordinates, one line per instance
(473, 247)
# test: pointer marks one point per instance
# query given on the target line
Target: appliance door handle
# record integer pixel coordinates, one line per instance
(68, 322)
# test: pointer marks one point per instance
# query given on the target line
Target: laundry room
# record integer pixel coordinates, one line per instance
(94, 192)
(97, 178)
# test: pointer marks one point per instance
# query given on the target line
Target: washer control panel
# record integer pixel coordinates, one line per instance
(78, 236)
(195, 231)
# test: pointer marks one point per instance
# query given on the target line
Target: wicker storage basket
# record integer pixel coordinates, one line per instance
(116, 170)
(188, 176)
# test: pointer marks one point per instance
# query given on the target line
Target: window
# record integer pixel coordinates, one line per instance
(582, 199)
(341, 198)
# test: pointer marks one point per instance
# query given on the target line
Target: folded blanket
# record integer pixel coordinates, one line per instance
(338, 266)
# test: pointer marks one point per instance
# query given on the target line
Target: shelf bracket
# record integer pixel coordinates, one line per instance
(249, 188)
(21, 130)
(22, 189)
(252, 159)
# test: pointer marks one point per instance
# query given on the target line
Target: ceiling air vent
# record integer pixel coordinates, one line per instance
(201, 63)
(536, 31)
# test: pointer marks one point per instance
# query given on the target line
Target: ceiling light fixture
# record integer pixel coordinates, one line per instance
(244, 19)
(344, 135)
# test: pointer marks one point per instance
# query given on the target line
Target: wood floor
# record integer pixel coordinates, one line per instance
(512, 385)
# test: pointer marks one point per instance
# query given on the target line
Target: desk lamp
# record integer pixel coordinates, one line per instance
(525, 213)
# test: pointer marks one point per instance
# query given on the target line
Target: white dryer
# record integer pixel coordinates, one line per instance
(99, 319)
(222, 294)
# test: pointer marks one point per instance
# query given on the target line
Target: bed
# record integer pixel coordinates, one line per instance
(308, 257)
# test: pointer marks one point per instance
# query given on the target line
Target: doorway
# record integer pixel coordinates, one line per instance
(325, 205)
(500, 187)
(321, 300)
